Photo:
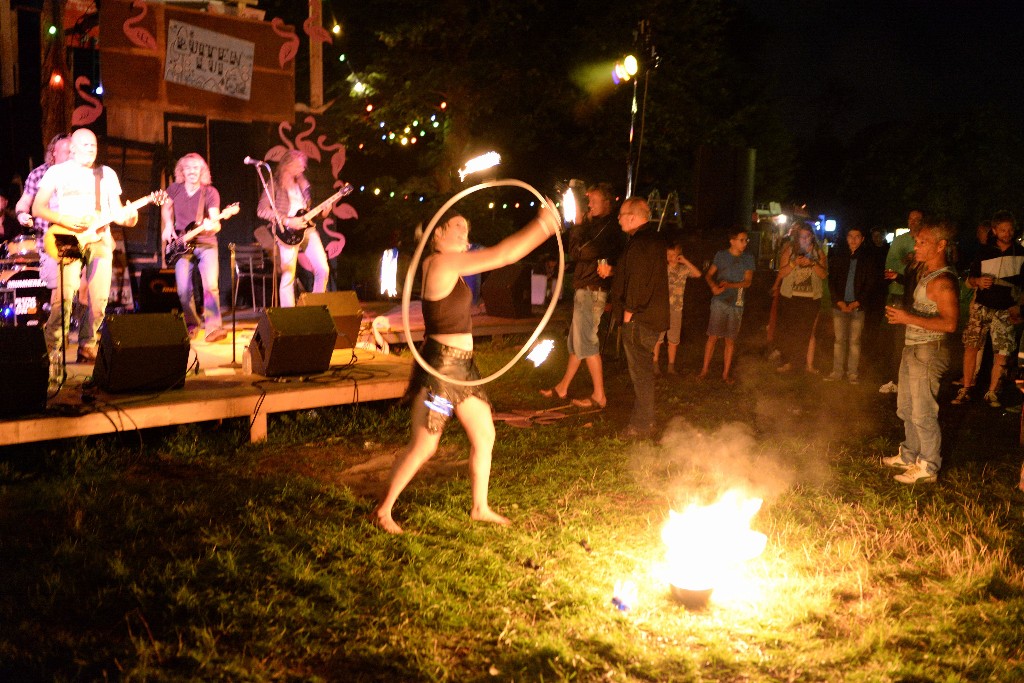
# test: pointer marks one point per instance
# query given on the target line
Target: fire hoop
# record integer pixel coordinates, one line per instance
(414, 264)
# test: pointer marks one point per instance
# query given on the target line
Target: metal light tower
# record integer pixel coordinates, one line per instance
(647, 63)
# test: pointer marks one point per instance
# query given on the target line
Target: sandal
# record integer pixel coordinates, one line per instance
(552, 393)
(589, 403)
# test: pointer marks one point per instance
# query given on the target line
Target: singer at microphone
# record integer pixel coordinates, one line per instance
(249, 161)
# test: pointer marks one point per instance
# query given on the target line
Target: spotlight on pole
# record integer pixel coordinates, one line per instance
(480, 163)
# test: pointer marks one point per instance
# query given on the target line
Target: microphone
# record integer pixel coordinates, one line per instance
(249, 161)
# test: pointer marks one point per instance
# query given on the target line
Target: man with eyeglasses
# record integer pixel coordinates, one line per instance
(639, 300)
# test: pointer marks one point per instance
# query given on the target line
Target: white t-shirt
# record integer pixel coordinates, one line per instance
(74, 189)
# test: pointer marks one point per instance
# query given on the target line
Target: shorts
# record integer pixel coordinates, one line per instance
(725, 320)
(982, 320)
(451, 362)
(675, 326)
(587, 308)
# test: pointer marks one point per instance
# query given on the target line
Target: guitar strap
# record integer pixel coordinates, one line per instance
(97, 172)
(202, 204)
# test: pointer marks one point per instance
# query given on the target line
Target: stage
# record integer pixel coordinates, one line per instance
(214, 389)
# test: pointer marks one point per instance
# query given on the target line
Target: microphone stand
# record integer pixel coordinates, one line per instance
(269, 191)
(234, 294)
(67, 252)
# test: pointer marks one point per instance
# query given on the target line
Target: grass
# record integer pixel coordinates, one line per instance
(193, 556)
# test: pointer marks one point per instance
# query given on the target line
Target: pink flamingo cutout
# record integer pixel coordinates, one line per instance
(290, 48)
(336, 245)
(90, 111)
(338, 158)
(138, 35)
(277, 151)
(312, 25)
(305, 146)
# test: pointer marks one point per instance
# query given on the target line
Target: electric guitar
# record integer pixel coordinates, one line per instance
(181, 245)
(92, 227)
(293, 236)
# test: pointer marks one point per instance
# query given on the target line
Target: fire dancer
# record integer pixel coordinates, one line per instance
(448, 347)
(930, 321)
(639, 301)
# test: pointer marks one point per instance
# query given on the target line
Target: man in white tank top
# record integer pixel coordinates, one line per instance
(932, 318)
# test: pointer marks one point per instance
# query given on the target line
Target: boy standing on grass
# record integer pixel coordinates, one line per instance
(679, 268)
(731, 272)
(929, 322)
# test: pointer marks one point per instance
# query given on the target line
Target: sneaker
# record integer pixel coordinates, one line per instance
(889, 388)
(86, 354)
(992, 400)
(853, 379)
(897, 462)
(917, 474)
(963, 395)
(832, 378)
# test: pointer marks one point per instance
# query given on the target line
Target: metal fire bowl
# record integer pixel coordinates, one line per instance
(690, 598)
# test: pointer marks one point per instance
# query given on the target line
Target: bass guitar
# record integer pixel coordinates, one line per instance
(293, 236)
(181, 245)
(91, 228)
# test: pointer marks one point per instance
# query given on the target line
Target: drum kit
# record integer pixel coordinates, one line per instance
(24, 297)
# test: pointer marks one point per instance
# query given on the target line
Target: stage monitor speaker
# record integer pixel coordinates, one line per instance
(25, 369)
(292, 341)
(506, 292)
(158, 292)
(345, 311)
(141, 352)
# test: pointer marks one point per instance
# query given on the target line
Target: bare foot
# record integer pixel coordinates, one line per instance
(728, 380)
(488, 515)
(383, 520)
(702, 376)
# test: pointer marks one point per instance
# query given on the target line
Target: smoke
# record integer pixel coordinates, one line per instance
(691, 463)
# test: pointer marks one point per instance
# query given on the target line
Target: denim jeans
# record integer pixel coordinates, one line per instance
(917, 405)
(638, 342)
(846, 351)
(309, 254)
(588, 306)
(209, 273)
(97, 271)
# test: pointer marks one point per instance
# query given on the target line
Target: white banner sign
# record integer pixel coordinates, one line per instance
(207, 60)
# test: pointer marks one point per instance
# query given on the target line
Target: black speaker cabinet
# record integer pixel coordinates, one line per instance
(158, 292)
(142, 352)
(25, 369)
(292, 341)
(345, 311)
(506, 292)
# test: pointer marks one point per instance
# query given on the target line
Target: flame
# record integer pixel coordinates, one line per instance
(569, 206)
(706, 545)
(480, 163)
(541, 351)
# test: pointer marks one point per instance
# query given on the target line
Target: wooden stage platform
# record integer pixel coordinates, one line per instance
(214, 390)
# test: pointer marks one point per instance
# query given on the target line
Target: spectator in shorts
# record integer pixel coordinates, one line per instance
(995, 275)
(730, 273)
(679, 268)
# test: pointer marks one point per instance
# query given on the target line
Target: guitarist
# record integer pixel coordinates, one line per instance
(292, 195)
(192, 199)
(82, 191)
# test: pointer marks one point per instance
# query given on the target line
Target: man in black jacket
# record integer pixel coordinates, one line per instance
(639, 300)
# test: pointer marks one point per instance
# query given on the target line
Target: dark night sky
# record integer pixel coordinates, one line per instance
(857, 63)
